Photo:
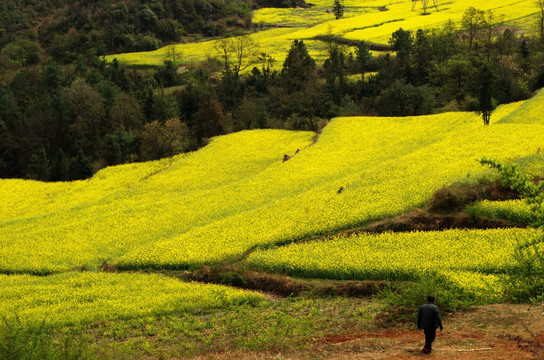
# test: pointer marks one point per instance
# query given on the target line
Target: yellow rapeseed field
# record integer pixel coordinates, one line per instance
(80, 298)
(236, 193)
(469, 258)
(513, 210)
(372, 21)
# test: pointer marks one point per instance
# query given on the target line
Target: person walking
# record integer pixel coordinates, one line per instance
(428, 319)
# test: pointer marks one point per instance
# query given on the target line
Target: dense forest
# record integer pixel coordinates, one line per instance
(65, 112)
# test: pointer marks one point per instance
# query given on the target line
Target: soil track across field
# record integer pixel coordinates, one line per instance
(488, 332)
(501, 331)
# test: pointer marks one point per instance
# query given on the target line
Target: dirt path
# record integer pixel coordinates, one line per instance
(497, 332)
(488, 332)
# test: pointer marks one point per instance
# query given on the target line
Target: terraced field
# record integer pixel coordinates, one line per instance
(237, 194)
(373, 21)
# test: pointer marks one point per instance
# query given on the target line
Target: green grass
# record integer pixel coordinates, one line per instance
(271, 326)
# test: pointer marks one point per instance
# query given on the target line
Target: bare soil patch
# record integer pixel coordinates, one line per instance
(501, 331)
(418, 220)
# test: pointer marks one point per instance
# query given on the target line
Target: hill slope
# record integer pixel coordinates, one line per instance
(237, 193)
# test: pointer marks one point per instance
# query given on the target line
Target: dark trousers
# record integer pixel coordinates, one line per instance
(430, 335)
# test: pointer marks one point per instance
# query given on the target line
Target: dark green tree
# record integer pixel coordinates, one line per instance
(298, 67)
(401, 99)
(60, 170)
(401, 41)
(422, 58)
(338, 9)
(80, 167)
(486, 81)
(364, 56)
(38, 166)
(472, 23)
(334, 74)
(118, 146)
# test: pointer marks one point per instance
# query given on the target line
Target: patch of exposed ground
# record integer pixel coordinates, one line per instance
(281, 285)
(501, 331)
(419, 220)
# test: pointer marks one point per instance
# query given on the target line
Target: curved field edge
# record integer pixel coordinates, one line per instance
(351, 191)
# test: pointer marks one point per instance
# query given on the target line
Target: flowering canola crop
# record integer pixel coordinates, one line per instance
(477, 255)
(372, 21)
(237, 193)
(513, 210)
(80, 298)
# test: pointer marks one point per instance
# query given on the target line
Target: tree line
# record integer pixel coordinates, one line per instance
(64, 121)
(68, 30)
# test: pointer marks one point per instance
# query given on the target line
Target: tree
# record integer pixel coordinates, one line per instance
(172, 54)
(507, 43)
(486, 80)
(21, 52)
(126, 112)
(60, 170)
(86, 109)
(298, 67)
(168, 75)
(81, 167)
(456, 76)
(402, 99)
(472, 22)
(401, 41)
(445, 43)
(338, 9)
(423, 57)
(491, 26)
(161, 140)
(251, 114)
(38, 166)
(210, 118)
(335, 68)
(118, 147)
(148, 19)
(364, 56)
(237, 53)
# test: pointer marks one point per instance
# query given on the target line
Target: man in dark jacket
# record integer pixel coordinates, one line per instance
(429, 320)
